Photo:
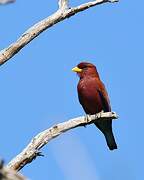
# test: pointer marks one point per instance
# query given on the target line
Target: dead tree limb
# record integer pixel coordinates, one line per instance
(63, 12)
(32, 150)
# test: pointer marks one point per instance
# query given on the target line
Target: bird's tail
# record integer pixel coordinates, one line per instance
(110, 140)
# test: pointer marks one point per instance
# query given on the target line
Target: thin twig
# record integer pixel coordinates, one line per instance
(32, 150)
(41, 26)
(63, 4)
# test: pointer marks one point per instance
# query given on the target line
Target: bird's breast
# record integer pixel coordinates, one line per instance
(89, 96)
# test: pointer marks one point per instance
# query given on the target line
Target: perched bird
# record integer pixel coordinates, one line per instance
(94, 98)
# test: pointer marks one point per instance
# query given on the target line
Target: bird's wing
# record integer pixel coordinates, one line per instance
(80, 98)
(104, 98)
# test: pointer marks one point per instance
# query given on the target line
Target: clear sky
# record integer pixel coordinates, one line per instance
(38, 89)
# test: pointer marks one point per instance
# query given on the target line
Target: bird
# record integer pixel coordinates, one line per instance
(94, 98)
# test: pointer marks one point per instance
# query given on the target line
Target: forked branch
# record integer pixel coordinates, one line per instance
(62, 13)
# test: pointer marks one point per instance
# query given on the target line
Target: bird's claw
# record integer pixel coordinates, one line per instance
(87, 117)
(99, 115)
(102, 111)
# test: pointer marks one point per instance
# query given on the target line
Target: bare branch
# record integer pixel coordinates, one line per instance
(6, 1)
(32, 150)
(41, 26)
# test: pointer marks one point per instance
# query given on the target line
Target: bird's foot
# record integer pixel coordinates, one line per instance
(102, 111)
(87, 118)
(99, 115)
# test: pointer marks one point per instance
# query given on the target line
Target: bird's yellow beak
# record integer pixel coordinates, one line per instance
(76, 69)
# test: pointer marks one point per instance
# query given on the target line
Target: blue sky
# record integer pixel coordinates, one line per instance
(38, 89)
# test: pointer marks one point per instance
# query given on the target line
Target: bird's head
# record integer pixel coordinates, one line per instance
(85, 69)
